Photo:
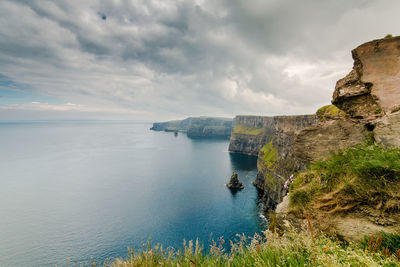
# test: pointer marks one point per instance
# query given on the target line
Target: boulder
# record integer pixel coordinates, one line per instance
(234, 183)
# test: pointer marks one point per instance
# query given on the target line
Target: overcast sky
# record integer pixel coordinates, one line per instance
(157, 60)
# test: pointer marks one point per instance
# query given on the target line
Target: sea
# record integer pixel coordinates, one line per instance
(73, 192)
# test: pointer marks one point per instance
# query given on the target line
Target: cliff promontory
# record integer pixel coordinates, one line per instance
(197, 126)
(364, 122)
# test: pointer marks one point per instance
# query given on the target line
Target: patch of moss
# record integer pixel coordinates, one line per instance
(245, 129)
(330, 111)
(269, 155)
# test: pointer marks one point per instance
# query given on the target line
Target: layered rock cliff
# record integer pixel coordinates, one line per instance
(369, 95)
(209, 127)
(197, 126)
(272, 140)
(368, 107)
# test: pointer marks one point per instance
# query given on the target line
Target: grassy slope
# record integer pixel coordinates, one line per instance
(291, 249)
(361, 175)
(244, 129)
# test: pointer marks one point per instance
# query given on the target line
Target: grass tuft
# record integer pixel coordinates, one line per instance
(271, 249)
(361, 175)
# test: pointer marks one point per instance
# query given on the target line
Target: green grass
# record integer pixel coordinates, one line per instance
(382, 241)
(268, 153)
(245, 129)
(360, 175)
(291, 249)
(330, 111)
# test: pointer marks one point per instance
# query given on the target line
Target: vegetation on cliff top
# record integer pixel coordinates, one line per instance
(245, 129)
(291, 249)
(330, 111)
(361, 175)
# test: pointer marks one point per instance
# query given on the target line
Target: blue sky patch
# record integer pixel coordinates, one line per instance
(12, 92)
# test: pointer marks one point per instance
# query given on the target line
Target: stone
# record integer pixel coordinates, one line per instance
(317, 142)
(234, 183)
(372, 88)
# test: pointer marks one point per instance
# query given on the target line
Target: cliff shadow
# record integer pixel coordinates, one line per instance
(243, 162)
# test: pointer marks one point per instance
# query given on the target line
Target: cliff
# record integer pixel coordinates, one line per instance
(370, 97)
(251, 133)
(172, 126)
(210, 127)
(366, 106)
(272, 140)
(366, 109)
(197, 126)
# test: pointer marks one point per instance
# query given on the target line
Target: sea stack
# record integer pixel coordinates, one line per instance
(234, 183)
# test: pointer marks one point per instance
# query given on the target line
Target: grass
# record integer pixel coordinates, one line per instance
(245, 129)
(269, 155)
(387, 243)
(361, 175)
(290, 249)
(330, 111)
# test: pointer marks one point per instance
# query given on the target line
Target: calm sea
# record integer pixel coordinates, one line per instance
(74, 190)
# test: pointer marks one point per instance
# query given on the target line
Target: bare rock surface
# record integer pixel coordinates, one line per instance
(373, 86)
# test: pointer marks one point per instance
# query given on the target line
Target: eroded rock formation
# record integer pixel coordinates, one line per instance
(369, 102)
(234, 183)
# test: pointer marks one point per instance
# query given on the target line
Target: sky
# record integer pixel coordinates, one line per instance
(160, 60)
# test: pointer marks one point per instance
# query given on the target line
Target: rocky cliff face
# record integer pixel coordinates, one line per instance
(197, 126)
(369, 95)
(251, 133)
(369, 100)
(272, 140)
(210, 127)
(372, 87)
(176, 125)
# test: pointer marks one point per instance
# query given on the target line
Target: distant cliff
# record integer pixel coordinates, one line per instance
(197, 126)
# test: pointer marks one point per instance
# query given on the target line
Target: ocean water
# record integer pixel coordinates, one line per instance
(74, 190)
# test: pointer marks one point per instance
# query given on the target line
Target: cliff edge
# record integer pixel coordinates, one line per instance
(366, 109)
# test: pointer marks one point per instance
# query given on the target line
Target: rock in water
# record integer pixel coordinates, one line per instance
(234, 182)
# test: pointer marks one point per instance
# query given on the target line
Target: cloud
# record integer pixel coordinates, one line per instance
(171, 59)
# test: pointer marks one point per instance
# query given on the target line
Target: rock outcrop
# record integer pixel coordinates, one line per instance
(372, 88)
(197, 126)
(234, 183)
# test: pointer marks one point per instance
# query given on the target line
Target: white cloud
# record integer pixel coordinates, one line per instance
(167, 59)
